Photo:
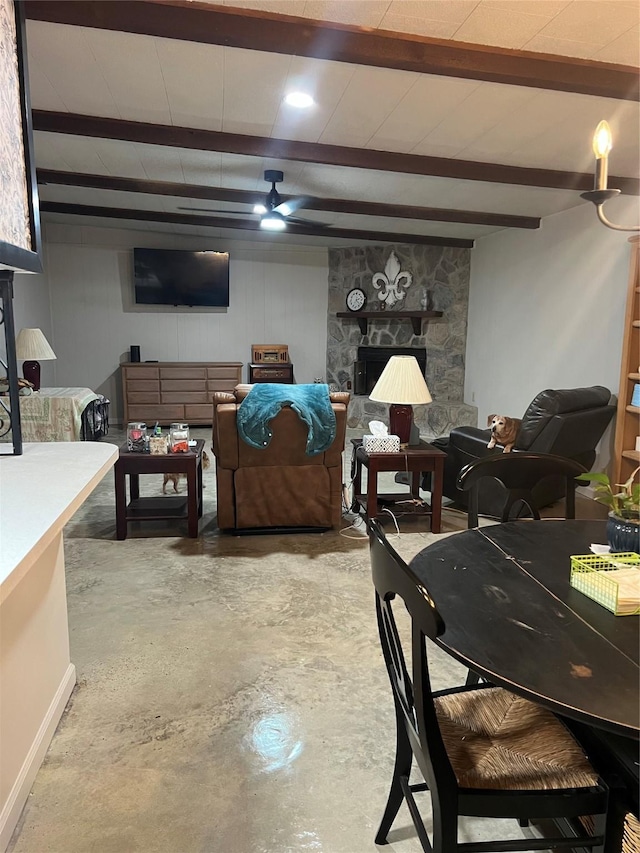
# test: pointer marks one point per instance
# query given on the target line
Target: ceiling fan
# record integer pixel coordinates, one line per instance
(275, 214)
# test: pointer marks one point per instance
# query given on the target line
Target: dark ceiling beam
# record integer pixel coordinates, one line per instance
(286, 34)
(248, 225)
(335, 205)
(316, 152)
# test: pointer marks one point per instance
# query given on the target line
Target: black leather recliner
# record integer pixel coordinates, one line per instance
(567, 423)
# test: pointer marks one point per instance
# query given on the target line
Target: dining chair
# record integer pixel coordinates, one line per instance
(481, 750)
(519, 473)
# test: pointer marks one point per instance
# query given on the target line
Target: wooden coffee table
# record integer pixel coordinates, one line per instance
(174, 507)
(416, 460)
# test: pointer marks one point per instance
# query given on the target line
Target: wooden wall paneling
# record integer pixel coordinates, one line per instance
(92, 326)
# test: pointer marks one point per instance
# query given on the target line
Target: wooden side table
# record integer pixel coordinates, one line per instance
(414, 460)
(187, 506)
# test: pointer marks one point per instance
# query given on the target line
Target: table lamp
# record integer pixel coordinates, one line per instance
(402, 384)
(33, 347)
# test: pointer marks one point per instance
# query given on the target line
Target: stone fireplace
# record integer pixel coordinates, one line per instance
(441, 282)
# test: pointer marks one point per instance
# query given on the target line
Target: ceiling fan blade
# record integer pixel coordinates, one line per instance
(217, 210)
(296, 220)
(293, 204)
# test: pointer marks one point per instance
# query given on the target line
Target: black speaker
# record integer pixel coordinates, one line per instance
(135, 354)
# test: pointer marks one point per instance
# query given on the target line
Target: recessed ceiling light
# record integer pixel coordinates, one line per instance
(299, 99)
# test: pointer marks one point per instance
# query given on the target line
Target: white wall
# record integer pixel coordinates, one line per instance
(278, 294)
(546, 310)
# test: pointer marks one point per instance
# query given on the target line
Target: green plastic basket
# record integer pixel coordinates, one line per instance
(590, 574)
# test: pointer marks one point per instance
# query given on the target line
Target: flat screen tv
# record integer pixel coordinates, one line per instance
(178, 277)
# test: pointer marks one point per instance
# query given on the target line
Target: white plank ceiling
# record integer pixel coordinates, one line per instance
(169, 82)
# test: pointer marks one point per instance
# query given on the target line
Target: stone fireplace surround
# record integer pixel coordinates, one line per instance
(441, 281)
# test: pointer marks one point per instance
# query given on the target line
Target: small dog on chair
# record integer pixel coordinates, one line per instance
(504, 431)
(175, 478)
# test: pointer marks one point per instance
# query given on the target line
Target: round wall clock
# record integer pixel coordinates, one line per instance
(356, 299)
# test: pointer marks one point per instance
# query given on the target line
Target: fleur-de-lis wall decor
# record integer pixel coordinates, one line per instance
(392, 283)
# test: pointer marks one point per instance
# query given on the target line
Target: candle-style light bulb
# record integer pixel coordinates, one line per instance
(602, 140)
(602, 143)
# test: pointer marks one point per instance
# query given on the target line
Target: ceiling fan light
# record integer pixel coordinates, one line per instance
(284, 209)
(273, 222)
(301, 100)
(259, 208)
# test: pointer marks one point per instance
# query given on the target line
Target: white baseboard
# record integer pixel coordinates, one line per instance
(12, 809)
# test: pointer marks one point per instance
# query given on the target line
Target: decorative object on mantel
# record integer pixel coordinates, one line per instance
(602, 145)
(33, 347)
(425, 301)
(392, 281)
(402, 384)
(356, 299)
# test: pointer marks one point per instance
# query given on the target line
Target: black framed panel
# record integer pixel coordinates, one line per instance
(20, 241)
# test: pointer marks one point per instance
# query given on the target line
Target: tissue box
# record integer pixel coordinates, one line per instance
(381, 443)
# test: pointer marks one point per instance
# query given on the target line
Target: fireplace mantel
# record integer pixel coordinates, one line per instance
(363, 317)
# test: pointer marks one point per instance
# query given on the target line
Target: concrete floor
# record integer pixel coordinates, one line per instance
(231, 694)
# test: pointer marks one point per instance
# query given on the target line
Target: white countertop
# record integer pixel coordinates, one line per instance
(39, 492)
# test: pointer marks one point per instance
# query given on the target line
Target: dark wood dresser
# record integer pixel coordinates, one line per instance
(169, 391)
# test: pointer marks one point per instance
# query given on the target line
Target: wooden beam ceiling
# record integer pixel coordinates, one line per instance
(285, 34)
(336, 205)
(316, 152)
(248, 225)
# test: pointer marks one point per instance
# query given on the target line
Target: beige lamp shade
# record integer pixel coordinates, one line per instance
(401, 382)
(31, 345)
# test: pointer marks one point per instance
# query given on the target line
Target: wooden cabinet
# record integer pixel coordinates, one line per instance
(170, 391)
(628, 418)
(282, 373)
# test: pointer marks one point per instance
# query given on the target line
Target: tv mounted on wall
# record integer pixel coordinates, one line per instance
(179, 277)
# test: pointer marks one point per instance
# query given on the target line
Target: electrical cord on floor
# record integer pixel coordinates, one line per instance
(357, 524)
(346, 502)
(395, 520)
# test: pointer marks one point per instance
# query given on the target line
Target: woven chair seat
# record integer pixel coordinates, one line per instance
(631, 834)
(498, 741)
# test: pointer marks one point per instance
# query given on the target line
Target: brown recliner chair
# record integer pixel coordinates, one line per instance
(279, 486)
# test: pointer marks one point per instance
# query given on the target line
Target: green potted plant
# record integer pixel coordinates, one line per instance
(623, 500)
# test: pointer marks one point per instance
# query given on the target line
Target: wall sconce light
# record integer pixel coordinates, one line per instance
(602, 145)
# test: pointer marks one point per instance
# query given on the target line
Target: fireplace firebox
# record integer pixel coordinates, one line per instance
(372, 360)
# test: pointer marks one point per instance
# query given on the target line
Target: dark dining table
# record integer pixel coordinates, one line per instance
(512, 616)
